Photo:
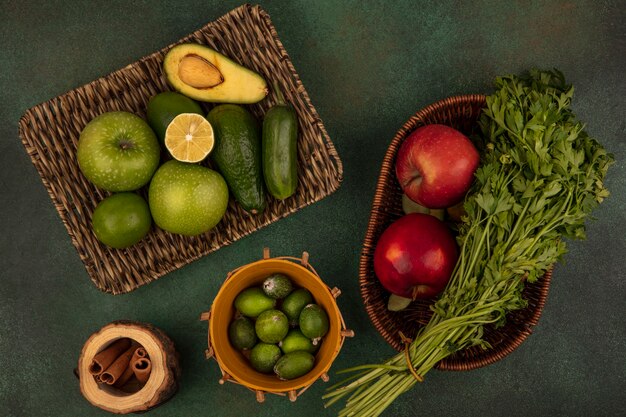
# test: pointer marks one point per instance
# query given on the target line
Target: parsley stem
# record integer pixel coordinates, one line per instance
(519, 221)
(343, 381)
(553, 224)
(478, 251)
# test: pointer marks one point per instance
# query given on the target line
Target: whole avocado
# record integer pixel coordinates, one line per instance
(164, 107)
(237, 154)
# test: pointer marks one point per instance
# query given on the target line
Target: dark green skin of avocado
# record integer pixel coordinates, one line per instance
(237, 154)
(159, 121)
(280, 152)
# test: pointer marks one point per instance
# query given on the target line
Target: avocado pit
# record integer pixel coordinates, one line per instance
(197, 72)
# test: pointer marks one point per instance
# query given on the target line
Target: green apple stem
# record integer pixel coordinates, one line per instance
(125, 144)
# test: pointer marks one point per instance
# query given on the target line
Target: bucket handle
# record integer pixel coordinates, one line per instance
(304, 261)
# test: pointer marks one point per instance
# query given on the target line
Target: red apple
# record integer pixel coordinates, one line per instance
(435, 166)
(415, 256)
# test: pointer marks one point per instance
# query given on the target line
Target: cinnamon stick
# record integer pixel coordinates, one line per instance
(123, 379)
(136, 356)
(142, 368)
(129, 371)
(141, 352)
(106, 357)
(117, 368)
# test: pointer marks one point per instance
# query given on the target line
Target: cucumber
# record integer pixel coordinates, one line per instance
(279, 148)
(237, 154)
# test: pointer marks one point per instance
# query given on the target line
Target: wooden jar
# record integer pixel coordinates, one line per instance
(162, 383)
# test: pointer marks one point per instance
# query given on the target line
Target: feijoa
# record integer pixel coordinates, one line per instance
(271, 326)
(294, 364)
(252, 301)
(295, 340)
(263, 357)
(277, 286)
(313, 322)
(294, 303)
(241, 333)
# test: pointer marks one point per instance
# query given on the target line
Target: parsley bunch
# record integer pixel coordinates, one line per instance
(541, 176)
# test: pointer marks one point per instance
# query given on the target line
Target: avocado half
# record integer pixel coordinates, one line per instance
(203, 74)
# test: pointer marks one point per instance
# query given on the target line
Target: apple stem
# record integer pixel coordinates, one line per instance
(416, 291)
(125, 144)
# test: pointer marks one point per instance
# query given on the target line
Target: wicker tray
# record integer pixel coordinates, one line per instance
(50, 131)
(461, 113)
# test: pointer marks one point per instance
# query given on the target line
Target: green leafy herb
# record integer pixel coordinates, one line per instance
(541, 175)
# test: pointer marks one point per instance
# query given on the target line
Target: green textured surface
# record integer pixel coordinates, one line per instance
(367, 67)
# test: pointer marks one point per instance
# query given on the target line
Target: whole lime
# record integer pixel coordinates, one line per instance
(164, 107)
(187, 199)
(121, 220)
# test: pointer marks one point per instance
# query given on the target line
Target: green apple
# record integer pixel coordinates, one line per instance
(117, 151)
(187, 199)
(121, 220)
